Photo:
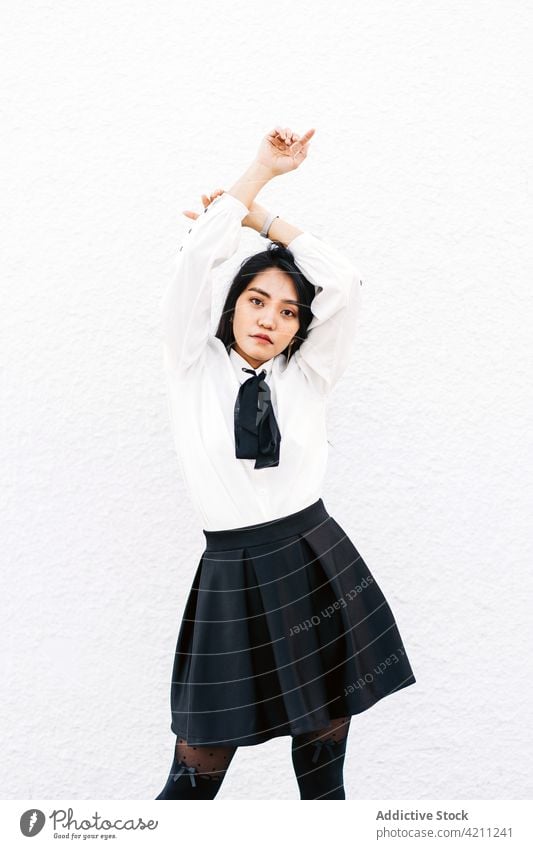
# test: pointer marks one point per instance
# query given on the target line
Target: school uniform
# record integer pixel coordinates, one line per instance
(284, 628)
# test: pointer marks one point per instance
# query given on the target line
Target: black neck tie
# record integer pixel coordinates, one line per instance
(256, 429)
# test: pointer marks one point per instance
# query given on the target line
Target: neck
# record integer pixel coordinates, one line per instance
(250, 360)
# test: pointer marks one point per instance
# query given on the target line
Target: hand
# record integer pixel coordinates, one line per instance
(282, 150)
(206, 200)
(248, 221)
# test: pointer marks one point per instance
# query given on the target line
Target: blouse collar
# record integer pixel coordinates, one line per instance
(239, 363)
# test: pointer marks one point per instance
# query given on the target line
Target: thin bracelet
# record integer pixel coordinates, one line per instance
(267, 225)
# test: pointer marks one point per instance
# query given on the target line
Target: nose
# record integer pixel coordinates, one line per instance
(266, 321)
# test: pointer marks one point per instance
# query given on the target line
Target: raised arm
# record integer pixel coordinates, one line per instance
(186, 304)
(325, 353)
(212, 238)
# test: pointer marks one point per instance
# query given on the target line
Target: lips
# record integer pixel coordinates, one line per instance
(262, 337)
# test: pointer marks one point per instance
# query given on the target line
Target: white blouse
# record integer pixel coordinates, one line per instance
(203, 380)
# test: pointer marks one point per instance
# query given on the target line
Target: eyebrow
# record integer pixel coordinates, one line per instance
(266, 295)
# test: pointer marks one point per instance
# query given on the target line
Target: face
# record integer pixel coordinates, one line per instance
(267, 306)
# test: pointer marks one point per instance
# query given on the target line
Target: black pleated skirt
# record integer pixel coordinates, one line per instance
(284, 629)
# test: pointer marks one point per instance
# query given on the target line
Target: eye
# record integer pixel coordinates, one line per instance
(291, 312)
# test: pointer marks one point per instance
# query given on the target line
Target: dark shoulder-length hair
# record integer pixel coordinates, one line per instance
(279, 256)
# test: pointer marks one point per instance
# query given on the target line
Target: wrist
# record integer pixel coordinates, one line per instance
(263, 171)
(256, 217)
(251, 182)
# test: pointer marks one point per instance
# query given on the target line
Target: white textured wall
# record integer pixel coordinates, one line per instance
(117, 115)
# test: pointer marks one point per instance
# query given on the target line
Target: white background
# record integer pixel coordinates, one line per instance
(117, 116)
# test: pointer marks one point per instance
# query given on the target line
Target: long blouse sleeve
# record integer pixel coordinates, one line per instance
(213, 237)
(324, 354)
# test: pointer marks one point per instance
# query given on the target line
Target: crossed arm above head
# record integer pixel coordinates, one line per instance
(214, 236)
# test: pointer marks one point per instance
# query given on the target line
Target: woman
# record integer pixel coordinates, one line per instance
(285, 630)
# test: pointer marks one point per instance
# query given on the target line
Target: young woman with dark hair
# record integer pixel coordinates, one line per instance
(285, 630)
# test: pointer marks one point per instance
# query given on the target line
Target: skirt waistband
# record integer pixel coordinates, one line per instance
(302, 520)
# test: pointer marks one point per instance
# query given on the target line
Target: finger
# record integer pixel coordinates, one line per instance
(190, 214)
(277, 141)
(297, 145)
(301, 154)
(287, 133)
(303, 142)
(207, 199)
(308, 135)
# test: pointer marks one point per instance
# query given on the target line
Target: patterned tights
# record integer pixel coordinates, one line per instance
(197, 772)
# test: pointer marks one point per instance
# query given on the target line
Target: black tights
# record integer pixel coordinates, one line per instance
(197, 772)
(318, 760)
